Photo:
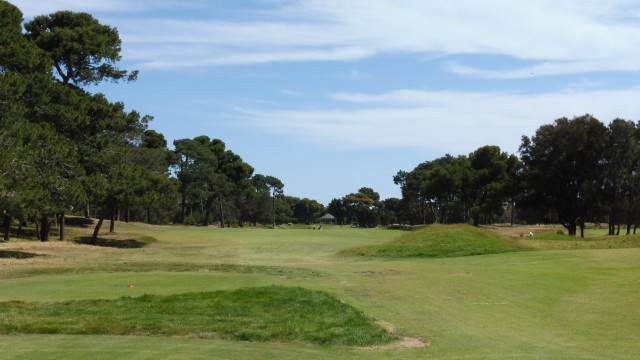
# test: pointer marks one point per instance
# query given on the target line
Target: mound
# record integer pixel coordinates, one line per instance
(440, 241)
(265, 314)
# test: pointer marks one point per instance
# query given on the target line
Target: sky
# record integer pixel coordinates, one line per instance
(331, 96)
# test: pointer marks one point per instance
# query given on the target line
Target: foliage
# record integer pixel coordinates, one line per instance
(82, 49)
(562, 167)
(209, 173)
(458, 189)
(364, 209)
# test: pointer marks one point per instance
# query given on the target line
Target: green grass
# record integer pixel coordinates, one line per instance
(252, 314)
(440, 241)
(547, 304)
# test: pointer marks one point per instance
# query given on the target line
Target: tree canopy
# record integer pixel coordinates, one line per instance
(82, 49)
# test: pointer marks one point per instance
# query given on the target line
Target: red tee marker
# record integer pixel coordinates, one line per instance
(130, 286)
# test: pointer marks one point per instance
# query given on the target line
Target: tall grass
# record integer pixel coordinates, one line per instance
(271, 313)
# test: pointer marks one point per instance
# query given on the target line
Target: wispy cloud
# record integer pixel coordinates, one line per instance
(34, 8)
(455, 122)
(570, 36)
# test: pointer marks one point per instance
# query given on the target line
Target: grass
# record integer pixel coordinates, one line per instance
(556, 238)
(440, 241)
(559, 303)
(271, 313)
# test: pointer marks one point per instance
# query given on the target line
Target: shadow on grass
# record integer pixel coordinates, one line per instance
(401, 227)
(78, 222)
(7, 254)
(115, 243)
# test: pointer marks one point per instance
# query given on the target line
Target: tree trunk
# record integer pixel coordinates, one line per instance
(6, 224)
(126, 215)
(618, 230)
(476, 219)
(628, 227)
(274, 211)
(221, 212)
(45, 228)
(183, 208)
(112, 219)
(96, 231)
(571, 228)
(513, 205)
(148, 216)
(207, 211)
(62, 226)
(20, 224)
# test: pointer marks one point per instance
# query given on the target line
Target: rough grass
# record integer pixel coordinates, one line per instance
(554, 237)
(271, 313)
(440, 241)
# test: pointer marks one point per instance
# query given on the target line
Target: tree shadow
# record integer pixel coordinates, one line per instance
(8, 254)
(75, 221)
(114, 243)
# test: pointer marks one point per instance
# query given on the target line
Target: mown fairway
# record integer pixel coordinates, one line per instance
(562, 304)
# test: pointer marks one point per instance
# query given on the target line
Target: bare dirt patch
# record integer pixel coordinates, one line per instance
(406, 342)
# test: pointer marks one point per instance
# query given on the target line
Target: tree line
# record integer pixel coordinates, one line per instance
(66, 150)
(571, 172)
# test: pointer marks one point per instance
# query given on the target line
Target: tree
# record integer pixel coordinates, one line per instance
(361, 207)
(391, 211)
(562, 167)
(208, 173)
(621, 156)
(83, 51)
(489, 181)
(23, 69)
(155, 190)
(414, 199)
(338, 209)
(276, 187)
(305, 211)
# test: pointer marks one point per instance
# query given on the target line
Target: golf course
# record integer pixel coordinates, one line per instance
(177, 292)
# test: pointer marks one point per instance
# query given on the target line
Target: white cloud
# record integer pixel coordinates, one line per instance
(32, 8)
(453, 122)
(569, 36)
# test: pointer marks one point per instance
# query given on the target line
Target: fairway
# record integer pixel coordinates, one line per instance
(552, 304)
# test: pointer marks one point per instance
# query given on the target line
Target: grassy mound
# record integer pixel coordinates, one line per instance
(253, 314)
(440, 241)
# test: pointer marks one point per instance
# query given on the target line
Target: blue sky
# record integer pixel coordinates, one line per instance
(333, 95)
